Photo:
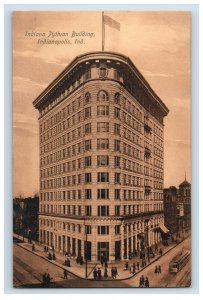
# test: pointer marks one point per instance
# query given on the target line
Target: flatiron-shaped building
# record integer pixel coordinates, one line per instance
(101, 159)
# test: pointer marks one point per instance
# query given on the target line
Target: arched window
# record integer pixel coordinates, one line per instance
(87, 98)
(102, 96)
(117, 98)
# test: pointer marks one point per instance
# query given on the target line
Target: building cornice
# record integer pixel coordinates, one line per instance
(83, 61)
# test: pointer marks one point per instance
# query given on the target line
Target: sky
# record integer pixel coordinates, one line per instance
(158, 43)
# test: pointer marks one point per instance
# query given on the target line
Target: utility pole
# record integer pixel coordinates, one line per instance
(86, 253)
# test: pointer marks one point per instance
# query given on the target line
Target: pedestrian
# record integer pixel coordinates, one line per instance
(159, 268)
(99, 274)
(48, 279)
(102, 260)
(33, 247)
(146, 282)
(81, 260)
(68, 262)
(44, 248)
(112, 272)
(115, 272)
(54, 256)
(95, 273)
(126, 265)
(49, 256)
(138, 265)
(44, 279)
(134, 268)
(65, 274)
(142, 281)
(105, 273)
(161, 251)
(156, 270)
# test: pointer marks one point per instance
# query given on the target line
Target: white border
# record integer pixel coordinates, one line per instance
(195, 171)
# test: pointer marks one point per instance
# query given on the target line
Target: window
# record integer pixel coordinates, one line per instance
(88, 194)
(73, 106)
(117, 98)
(74, 195)
(87, 145)
(102, 96)
(88, 229)
(102, 110)
(87, 98)
(103, 194)
(88, 128)
(79, 150)
(103, 177)
(103, 229)
(117, 145)
(88, 161)
(117, 194)
(74, 210)
(117, 113)
(116, 75)
(117, 161)
(88, 177)
(103, 72)
(117, 229)
(87, 75)
(73, 165)
(102, 160)
(79, 210)
(117, 129)
(117, 178)
(102, 127)
(87, 112)
(79, 194)
(102, 144)
(117, 210)
(103, 210)
(88, 210)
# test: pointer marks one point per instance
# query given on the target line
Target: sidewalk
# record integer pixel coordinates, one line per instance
(80, 270)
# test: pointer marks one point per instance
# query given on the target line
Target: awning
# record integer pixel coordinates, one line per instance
(163, 228)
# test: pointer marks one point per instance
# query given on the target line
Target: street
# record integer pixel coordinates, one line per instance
(28, 269)
(165, 279)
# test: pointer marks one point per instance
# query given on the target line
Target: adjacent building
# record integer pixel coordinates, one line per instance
(101, 159)
(25, 216)
(177, 207)
(184, 206)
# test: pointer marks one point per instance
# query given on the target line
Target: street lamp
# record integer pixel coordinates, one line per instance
(85, 252)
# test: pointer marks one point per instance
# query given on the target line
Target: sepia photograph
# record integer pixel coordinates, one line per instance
(101, 149)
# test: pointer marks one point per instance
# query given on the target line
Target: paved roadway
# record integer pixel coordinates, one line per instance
(165, 279)
(28, 269)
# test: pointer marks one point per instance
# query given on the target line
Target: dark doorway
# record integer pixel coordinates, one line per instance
(103, 250)
(79, 247)
(87, 250)
(117, 250)
(73, 247)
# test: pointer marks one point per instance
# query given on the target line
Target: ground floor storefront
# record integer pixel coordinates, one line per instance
(107, 247)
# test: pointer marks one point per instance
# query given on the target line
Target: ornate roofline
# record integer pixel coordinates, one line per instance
(84, 58)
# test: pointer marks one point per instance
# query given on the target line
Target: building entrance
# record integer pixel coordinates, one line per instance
(117, 250)
(103, 251)
(87, 250)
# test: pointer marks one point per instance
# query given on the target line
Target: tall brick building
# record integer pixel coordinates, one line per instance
(101, 159)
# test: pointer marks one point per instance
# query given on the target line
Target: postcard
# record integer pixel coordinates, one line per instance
(101, 149)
